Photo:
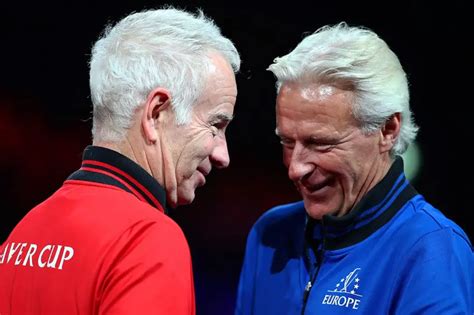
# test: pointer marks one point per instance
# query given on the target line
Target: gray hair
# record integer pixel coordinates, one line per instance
(354, 58)
(167, 47)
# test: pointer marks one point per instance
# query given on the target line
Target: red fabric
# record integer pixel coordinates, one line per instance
(156, 203)
(95, 249)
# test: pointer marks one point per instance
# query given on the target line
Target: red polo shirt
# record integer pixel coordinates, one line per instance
(101, 244)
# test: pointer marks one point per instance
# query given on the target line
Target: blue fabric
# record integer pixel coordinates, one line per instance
(419, 262)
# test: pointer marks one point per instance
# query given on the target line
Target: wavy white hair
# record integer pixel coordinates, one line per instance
(354, 58)
(167, 47)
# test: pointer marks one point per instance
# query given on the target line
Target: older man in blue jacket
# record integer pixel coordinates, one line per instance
(362, 241)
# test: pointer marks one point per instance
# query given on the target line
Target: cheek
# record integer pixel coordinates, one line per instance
(353, 168)
(196, 152)
(208, 145)
(340, 166)
(347, 168)
(199, 148)
(286, 157)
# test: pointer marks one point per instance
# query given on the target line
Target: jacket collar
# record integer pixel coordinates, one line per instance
(105, 166)
(375, 209)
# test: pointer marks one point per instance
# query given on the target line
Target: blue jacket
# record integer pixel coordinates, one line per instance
(392, 254)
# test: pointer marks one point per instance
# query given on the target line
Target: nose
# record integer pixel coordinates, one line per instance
(220, 155)
(298, 163)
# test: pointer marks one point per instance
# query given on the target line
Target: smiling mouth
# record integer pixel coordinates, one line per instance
(203, 172)
(202, 181)
(312, 188)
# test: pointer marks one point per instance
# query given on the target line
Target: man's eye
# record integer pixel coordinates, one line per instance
(287, 143)
(323, 147)
(219, 126)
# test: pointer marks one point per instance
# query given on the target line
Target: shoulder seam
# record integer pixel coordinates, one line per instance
(441, 227)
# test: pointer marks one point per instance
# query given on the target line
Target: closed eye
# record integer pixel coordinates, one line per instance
(286, 142)
(221, 125)
(219, 122)
(324, 147)
(320, 145)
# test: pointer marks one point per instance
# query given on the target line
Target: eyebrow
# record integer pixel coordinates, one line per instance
(221, 117)
(278, 134)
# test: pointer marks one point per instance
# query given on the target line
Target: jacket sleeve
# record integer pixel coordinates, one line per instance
(438, 276)
(148, 271)
(246, 289)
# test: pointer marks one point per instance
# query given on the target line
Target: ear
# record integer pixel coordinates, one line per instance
(156, 103)
(389, 132)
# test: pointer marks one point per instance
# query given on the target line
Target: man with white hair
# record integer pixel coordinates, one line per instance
(362, 240)
(163, 91)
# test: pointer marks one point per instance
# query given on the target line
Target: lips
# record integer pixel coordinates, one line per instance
(204, 171)
(314, 187)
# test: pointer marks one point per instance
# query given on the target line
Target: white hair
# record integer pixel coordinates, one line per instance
(167, 48)
(354, 58)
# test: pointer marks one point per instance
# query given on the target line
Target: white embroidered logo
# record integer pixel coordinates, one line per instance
(345, 294)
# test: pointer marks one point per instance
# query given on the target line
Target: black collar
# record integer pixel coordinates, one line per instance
(105, 166)
(375, 209)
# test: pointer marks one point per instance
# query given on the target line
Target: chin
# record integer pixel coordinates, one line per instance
(315, 210)
(186, 198)
(186, 191)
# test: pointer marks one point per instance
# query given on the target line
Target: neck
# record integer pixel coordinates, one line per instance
(150, 157)
(378, 172)
(126, 148)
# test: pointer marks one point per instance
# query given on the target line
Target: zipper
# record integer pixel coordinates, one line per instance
(319, 253)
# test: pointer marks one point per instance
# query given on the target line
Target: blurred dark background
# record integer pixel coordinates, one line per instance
(45, 109)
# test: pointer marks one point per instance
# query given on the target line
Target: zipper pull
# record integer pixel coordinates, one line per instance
(307, 289)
